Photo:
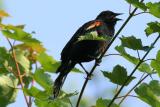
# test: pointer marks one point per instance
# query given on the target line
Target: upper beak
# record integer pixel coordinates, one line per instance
(117, 14)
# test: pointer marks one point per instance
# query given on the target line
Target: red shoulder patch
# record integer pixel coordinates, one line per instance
(95, 24)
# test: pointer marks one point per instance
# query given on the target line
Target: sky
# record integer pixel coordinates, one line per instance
(55, 21)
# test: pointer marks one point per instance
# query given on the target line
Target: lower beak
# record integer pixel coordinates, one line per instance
(117, 19)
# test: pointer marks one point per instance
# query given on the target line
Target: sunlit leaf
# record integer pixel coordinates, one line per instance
(3, 14)
(22, 60)
(32, 47)
(18, 34)
(118, 75)
(93, 36)
(149, 93)
(104, 103)
(8, 91)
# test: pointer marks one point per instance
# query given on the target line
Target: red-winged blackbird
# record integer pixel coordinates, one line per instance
(76, 52)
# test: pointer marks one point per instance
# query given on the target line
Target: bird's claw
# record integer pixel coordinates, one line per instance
(98, 61)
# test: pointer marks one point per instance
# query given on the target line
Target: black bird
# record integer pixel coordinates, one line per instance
(76, 52)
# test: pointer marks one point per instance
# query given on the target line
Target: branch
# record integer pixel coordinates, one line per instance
(18, 71)
(99, 59)
(134, 70)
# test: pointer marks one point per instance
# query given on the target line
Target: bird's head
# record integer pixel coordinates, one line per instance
(108, 17)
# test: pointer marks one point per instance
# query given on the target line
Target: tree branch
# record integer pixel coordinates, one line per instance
(18, 71)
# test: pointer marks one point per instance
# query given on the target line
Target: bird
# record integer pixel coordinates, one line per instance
(78, 51)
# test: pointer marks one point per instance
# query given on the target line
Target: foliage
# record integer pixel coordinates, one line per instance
(26, 62)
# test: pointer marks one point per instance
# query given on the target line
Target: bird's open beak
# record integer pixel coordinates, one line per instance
(117, 14)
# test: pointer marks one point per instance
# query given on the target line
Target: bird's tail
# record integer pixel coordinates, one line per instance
(64, 69)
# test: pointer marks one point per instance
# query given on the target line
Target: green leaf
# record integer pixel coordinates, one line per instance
(137, 4)
(23, 61)
(153, 27)
(154, 8)
(37, 93)
(8, 91)
(93, 36)
(133, 43)
(31, 47)
(149, 93)
(118, 75)
(104, 103)
(52, 103)
(155, 64)
(43, 79)
(144, 67)
(18, 34)
(42, 98)
(50, 64)
(3, 14)
(3, 59)
(47, 62)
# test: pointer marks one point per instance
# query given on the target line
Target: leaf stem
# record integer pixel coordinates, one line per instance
(18, 71)
(99, 59)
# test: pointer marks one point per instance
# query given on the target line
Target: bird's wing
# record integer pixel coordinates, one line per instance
(86, 28)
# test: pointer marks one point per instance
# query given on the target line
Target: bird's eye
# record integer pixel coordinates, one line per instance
(112, 16)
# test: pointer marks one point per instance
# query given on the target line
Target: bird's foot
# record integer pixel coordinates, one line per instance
(89, 77)
(98, 61)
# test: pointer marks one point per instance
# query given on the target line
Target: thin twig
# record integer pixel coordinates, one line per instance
(133, 88)
(96, 64)
(140, 13)
(18, 71)
(116, 88)
(138, 55)
(83, 68)
(127, 96)
(130, 6)
(134, 70)
(149, 59)
(112, 55)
